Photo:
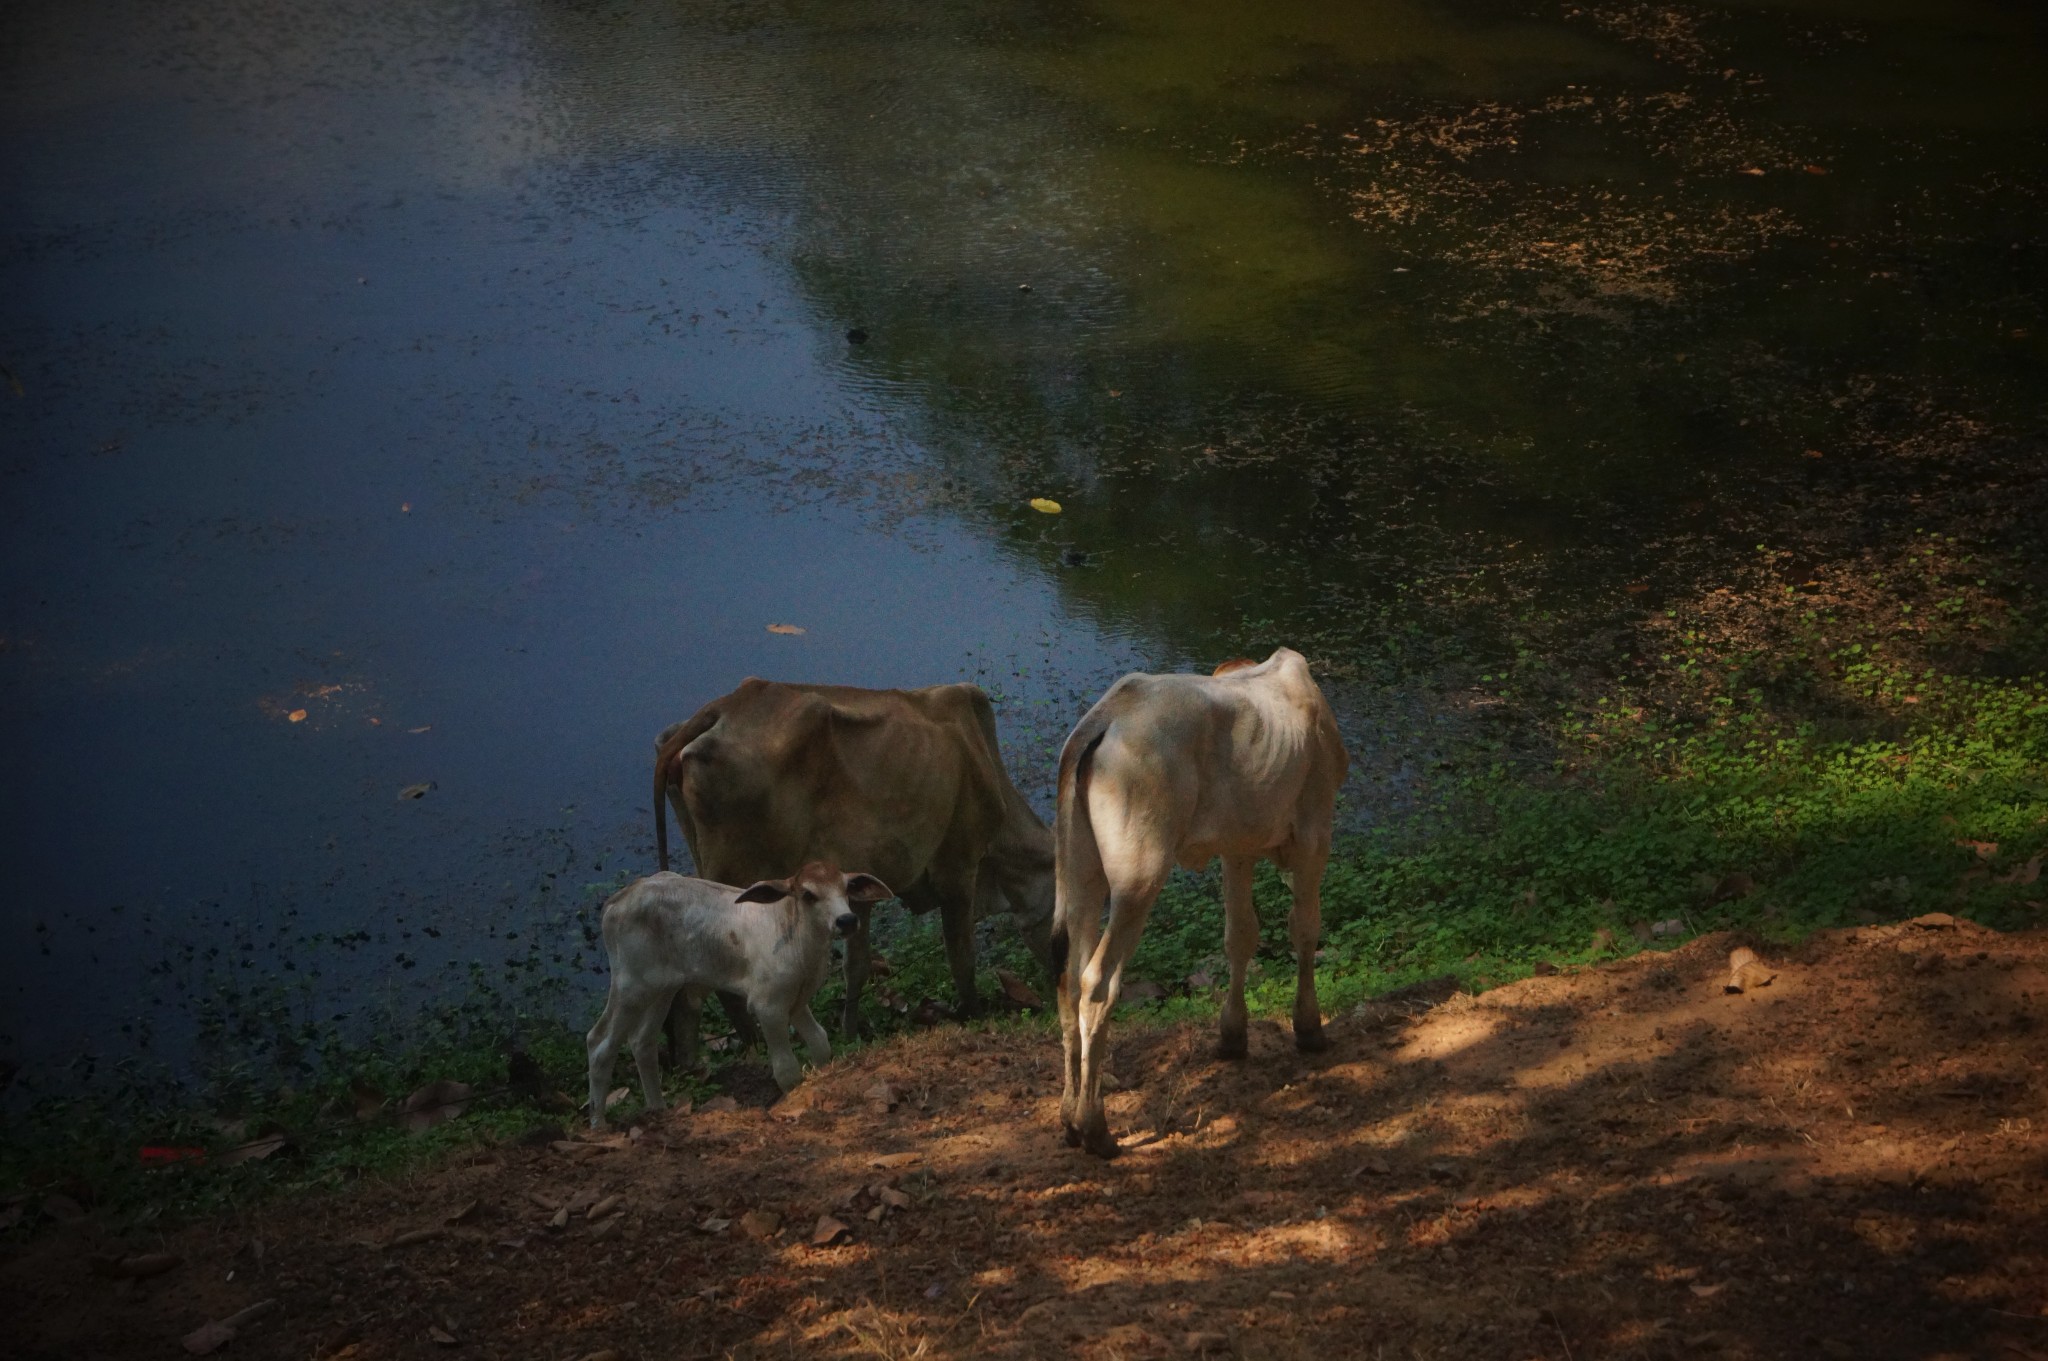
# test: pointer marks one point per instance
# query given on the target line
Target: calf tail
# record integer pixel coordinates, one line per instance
(666, 748)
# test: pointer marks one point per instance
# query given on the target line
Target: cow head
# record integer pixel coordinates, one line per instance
(822, 893)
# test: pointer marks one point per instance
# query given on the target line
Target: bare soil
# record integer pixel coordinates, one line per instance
(1847, 1160)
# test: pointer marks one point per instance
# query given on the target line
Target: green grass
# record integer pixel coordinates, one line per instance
(1840, 783)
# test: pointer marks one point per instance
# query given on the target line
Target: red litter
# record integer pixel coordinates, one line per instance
(160, 1155)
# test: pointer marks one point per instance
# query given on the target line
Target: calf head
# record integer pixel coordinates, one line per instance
(822, 894)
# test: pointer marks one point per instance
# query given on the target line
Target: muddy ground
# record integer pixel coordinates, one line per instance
(1627, 1161)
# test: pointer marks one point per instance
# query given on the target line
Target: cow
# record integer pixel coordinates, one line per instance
(1178, 769)
(909, 783)
(673, 940)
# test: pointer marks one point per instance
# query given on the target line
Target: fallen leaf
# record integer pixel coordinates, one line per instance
(605, 1207)
(434, 1103)
(893, 1198)
(1707, 1292)
(211, 1337)
(416, 791)
(1814, 169)
(406, 1240)
(715, 1225)
(1045, 505)
(894, 1159)
(1116, 392)
(1750, 170)
(138, 1267)
(560, 1220)
(785, 628)
(760, 1224)
(296, 716)
(441, 1335)
(1636, 587)
(1815, 453)
(253, 1151)
(2023, 874)
(616, 1095)
(719, 1103)
(1017, 990)
(883, 1096)
(463, 1214)
(828, 1232)
(424, 727)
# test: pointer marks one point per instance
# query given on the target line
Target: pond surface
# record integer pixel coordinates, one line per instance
(452, 394)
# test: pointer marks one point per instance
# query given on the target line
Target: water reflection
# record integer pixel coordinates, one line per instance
(1337, 324)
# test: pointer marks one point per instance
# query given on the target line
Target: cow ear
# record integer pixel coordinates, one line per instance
(766, 891)
(865, 888)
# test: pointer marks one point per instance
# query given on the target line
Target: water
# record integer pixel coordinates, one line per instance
(474, 380)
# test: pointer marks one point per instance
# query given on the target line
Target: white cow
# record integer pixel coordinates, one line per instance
(1169, 770)
(669, 936)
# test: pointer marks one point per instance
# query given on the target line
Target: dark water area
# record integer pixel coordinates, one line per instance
(452, 394)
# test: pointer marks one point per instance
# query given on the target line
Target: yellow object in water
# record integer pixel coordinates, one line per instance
(1045, 505)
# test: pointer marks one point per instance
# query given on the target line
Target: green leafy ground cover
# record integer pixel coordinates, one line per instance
(1792, 759)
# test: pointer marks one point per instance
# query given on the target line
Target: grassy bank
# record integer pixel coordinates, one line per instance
(1854, 747)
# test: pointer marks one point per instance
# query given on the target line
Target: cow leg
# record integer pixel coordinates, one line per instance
(1074, 946)
(956, 927)
(1101, 979)
(684, 1016)
(859, 963)
(1240, 941)
(1305, 924)
(679, 1019)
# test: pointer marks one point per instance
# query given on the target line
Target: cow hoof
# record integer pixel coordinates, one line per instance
(1311, 1041)
(1232, 1045)
(1101, 1143)
(1073, 1136)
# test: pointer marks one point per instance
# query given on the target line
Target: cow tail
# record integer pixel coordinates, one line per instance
(1077, 862)
(665, 748)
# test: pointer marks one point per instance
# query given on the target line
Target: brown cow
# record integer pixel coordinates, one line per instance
(909, 784)
(1181, 769)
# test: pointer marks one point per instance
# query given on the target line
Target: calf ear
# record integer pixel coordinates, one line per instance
(766, 891)
(865, 888)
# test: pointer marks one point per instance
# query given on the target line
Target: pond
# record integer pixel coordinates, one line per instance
(450, 394)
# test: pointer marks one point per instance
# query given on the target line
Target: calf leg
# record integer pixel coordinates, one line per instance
(678, 1020)
(1240, 941)
(602, 1047)
(774, 1021)
(646, 1042)
(684, 1015)
(816, 1043)
(956, 926)
(1305, 925)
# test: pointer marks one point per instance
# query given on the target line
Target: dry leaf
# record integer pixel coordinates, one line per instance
(1750, 170)
(464, 1214)
(616, 1095)
(441, 1335)
(1814, 169)
(883, 1096)
(1045, 505)
(416, 791)
(893, 1198)
(560, 1220)
(407, 1239)
(1017, 990)
(785, 628)
(1707, 1292)
(894, 1159)
(253, 1151)
(605, 1207)
(719, 1103)
(211, 1337)
(296, 716)
(2023, 874)
(829, 1231)
(715, 1225)
(434, 1103)
(760, 1224)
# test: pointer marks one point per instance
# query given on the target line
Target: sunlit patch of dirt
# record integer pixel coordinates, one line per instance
(1625, 1161)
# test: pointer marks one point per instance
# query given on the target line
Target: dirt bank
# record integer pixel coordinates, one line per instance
(1628, 1161)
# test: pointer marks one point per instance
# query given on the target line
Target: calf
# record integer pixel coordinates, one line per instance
(674, 939)
(1180, 769)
